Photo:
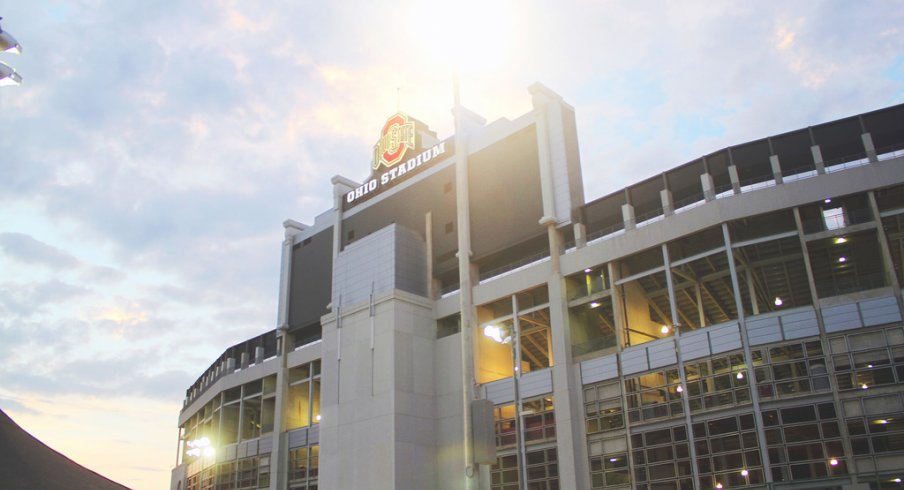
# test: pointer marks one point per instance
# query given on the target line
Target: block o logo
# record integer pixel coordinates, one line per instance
(396, 138)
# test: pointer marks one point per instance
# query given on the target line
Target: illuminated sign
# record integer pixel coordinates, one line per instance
(400, 137)
(397, 137)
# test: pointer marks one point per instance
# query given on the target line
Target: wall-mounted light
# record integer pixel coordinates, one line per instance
(778, 301)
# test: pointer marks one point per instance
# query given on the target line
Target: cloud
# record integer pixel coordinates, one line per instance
(28, 249)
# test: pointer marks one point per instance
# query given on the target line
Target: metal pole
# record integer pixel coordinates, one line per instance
(516, 381)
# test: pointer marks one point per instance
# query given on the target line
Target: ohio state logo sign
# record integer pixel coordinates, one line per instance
(396, 138)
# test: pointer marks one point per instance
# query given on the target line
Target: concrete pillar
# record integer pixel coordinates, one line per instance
(245, 360)
(580, 235)
(735, 179)
(230, 365)
(869, 147)
(817, 159)
(668, 204)
(627, 212)
(709, 189)
(258, 355)
(776, 169)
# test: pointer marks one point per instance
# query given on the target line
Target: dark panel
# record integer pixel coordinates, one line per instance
(793, 150)
(311, 282)
(886, 127)
(752, 162)
(604, 215)
(840, 141)
(504, 190)
(408, 207)
(717, 166)
(684, 182)
(646, 199)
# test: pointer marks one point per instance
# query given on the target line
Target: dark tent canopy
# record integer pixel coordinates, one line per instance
(26, 463)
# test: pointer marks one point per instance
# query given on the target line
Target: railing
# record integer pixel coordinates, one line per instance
(512, 267)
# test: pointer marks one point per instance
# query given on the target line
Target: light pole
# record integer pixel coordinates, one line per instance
(8, 44)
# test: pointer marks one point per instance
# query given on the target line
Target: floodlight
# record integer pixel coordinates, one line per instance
(8, 75)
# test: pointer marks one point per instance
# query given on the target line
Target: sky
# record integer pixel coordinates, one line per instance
(154, 150)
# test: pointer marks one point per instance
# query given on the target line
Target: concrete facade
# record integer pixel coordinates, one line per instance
(733, 322)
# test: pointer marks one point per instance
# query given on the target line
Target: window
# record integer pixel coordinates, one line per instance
(603, 407)
(804, 442)
(303, 396)
(728, 452)
(790, 370)
(661, 459)
(717, 382)
(653, 396)
(303, 467)
(868, 359)
(494, 338)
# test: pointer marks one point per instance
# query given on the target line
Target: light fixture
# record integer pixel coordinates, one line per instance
(842, 259)
(8, 75)
(840, 240)
(718, 485)
(897, 480)
(496, 333)
(744, 472)
(740, 375)
(882, 421)
(869, 366)
(778, 301)
(833, 462)
(827, 200)
(317, 417)
(664, 329)
(679, 389)
(864, 386)
(588, 270)
(594, 304)
(8, 43)
(612, 460)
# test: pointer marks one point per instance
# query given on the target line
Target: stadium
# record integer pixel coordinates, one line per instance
(465, 319)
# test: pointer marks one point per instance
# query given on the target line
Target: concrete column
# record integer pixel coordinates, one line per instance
(869, 147)
(580, 235)
(279, 457)
(627, 212)
(709, 189)
(245, 360)
(341, 186)
(258, 355)
(230, 365)
(817, 160)
(668, 204)
(466, 293)
(776, 169)
(735, 179)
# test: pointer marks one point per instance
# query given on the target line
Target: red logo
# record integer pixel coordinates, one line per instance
(396, 138)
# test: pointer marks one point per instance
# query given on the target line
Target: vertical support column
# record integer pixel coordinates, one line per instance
(580, 235)
(748, 357)
(570, 445)
(341, 185)
(888, 265)
(817, 160)
(776, 170)
(735, 179)
(280, 454)
(466, 294)
(709, 188)
(682, 375)
(869, 147)
(627, 212)
(668, 204)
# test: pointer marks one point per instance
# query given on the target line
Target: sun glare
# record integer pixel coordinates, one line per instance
(475, 35)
